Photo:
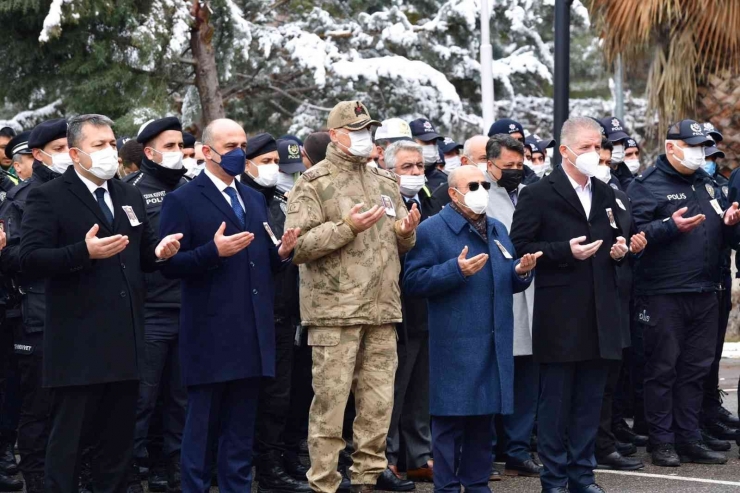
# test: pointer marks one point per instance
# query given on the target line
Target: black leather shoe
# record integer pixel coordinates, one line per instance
(157, 477)
(8, 465)
(616, 462)
(274, 479)
(495, 475)
(346, 483)
(714, 443)
(9, 483)
(728, 418)
(294, 466)
(34, 482)
(625, 434)
(133, 483)
(625, 449)
(592, 488)
(698, 453)
(390, 482)
(526, 468)
(720, 430)
(664, 455)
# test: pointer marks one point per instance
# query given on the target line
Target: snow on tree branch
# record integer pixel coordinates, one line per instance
(30, 118)
(52, 21)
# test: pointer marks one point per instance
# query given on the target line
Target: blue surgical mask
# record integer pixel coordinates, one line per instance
(233, 162)
(710, 167)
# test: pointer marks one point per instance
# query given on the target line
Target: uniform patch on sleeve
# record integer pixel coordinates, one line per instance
(385, 174)
(293, 207)
(315, 172)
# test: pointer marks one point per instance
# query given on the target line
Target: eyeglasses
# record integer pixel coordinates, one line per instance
(473, 185)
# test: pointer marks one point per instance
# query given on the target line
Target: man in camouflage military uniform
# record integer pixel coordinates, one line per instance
(350, 298)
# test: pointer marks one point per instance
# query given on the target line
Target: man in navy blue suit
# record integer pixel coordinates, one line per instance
(227, 340)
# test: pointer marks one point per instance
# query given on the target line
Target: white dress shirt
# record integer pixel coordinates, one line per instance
(584, 193)
(223, 186)
(92, 187)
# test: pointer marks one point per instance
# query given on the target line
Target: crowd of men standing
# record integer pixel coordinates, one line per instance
(370, 307)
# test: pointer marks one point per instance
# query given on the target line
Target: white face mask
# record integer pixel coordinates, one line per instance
(451, 164)
(285, 181)
(618, 154)
(476, 201)
(104, 163)
(539, 169)
(603, 173)
(693, 157)
(430, 153)
(548, 162)
(587, 163)
(60, 162)
(189, 163)
(267, 174)
(483, 167)
(633, 165)
(528, 163)
(411, 184)
(170, 160)
(361, 143)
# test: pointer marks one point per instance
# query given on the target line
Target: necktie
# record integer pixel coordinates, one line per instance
(236, 206)
(410, 203)
(100, 194)
(513, 197)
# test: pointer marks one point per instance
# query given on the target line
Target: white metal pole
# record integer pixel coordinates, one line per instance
(619, 89)
(486, 68)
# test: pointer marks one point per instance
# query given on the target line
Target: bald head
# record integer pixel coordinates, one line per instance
(460, 177)
(220, 137)
(220, 127)
(474, 150)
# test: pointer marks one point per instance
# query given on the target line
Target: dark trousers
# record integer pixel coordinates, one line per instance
(518, 426)
(568, 420)
(35, 417)
(461, 446)
(222, 413)
(105, 416)
(606, 443)
(680, 339)
(275, 393)
(10, 383)
(301, 395)
(161, 376)
(410, 418)
(712, 402)
(630, 393)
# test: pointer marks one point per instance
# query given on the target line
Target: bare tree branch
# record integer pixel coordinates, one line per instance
(297, 100)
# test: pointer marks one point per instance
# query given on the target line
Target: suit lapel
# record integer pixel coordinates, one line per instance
(248, 206)
(217, 198)
(598, 201)
(116, 196)
(564, 188)
(81, 191)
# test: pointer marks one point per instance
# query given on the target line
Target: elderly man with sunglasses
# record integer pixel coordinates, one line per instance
(465, 259)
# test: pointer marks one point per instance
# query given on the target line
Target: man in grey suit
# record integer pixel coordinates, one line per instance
(505, 156)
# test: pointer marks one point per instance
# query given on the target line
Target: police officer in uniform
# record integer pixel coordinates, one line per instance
(48, 143)
(161, 172)
(16, 150)
(277, 470)
(677, 281)
(615, 133)
(427, 137)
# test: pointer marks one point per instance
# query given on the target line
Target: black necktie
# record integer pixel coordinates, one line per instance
(100, 194)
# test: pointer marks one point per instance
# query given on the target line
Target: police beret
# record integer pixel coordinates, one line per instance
(46, 132)
(690, 132)
(188, 140)
(506, 126)
(290, 156)
(152, 128)
(18, 145)
(260, 144)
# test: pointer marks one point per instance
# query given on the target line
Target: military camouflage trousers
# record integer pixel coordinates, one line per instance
(361, 358)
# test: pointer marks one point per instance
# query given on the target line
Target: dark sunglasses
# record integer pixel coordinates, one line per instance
(473, 185)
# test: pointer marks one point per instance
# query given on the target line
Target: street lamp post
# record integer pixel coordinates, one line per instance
(486, 67)
(562, 68)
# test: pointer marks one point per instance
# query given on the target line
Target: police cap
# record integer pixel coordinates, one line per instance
(614, 129)
(423, 130)
(712, 151)
(46, 132)
(505, 126)
(18, 145)
(690, 132)
(711, 131)
(448, 145)
(290, 156)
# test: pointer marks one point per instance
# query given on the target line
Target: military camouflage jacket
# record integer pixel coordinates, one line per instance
(347, 278)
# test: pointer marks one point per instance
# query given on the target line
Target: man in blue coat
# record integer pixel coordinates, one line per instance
(471, 325)
(227, 340)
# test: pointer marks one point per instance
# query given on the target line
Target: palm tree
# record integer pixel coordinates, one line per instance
(694, 46)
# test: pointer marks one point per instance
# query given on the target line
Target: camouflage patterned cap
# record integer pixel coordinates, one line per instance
(350, 114)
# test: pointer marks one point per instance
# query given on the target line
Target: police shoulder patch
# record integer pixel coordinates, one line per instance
(315, 172)
(385, 174)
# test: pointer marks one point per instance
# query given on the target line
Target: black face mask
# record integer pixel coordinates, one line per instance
(510, 178)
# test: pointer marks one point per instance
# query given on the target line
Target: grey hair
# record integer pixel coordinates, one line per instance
(207, 136)
(74, 126)
(393, 149)
(469, 144)
(17, 157)
(573, 125)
